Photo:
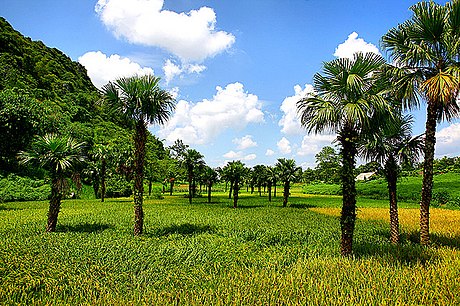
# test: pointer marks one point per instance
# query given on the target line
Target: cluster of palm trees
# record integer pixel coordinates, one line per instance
(363, 99)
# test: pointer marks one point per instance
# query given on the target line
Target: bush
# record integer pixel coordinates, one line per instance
(454, 202)
(441, 197)
(17, 188)
(117, 186)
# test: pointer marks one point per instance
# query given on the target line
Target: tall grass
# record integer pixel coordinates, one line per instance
(212, 254)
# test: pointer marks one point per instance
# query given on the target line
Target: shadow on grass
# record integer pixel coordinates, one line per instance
(10, 208)
(84, 228)
(186, 229)
(301, 206)
(406, 254)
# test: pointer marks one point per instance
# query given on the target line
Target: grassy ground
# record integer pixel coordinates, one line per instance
(409, 188)
(211, 254)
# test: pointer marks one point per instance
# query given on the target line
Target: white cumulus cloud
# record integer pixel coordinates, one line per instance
(284, 146)
(102, 68)
(448, 140)
(354, 44)
(312, 144)
(290, 121)
(199, 123)
(244, 142)
(269, 152)
(172, 70)
(191, 36)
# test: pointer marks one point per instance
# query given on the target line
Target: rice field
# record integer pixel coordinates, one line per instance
(211, 254)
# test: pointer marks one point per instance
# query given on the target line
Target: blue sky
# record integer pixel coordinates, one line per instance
(236, 67)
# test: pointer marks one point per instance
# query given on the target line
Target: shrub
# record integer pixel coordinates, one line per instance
(441, 197)
(17, 188)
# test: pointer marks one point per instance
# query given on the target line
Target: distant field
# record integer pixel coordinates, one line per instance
(211, 254)
(409, 188)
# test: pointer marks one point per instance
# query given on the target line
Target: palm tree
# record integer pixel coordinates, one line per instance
(425, 50)
(236, 172)
(140, 101)
(210, 177)
(392, 145)
(58, 155)
(191, 159)
(101, 152)
(272, 177)
(288, 172)
(346, 97)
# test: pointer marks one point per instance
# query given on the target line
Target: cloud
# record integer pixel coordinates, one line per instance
(199, 123)
(284, 146)
(102, 69)
(354, 44)
(447, 140)
(233, 155)
(191, 36)
(269, 152)
(290, 122)
(171, 70)
(250, 157)
(312, 144)
(244, 142)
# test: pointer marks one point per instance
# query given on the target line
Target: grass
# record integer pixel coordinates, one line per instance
(409, 188)
(211, 254)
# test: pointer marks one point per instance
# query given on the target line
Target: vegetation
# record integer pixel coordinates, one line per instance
(426, 50)
(139, 101)
(348, 94)
(262, 254)
(59, 156)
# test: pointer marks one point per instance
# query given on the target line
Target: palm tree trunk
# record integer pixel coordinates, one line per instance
(274, 191)
(286, 193)
(391, 176)
(190, 186)
(269, 192)
(231, 190)
(171, 186)
(235, 194)
(209, 192)
(348, 215)
(139, 156)
(55, 205)
(427, 184)
(103, 171)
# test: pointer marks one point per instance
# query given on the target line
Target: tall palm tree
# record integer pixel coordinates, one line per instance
(101, 152)
(346, 97)
(392, 145)
(191, 159)
(210, 177)
(58, 155)
(288, 172)
(426, 53)
(236, 172)
(140, 101)
(272, 177)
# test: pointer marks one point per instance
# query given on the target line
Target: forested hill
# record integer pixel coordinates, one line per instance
(44, 71)
(43, 91)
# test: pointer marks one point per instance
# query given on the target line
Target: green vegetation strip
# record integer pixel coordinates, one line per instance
(211, 254)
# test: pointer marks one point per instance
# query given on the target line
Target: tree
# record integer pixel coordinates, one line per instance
(140, 101)
(288, 172)
(346, 97)
(328, 165)
(59, 156)
(392, 145)
(425, 49)
(272, 178)
(191, 159)
(101, 152)
(210, 177)
(236, 172)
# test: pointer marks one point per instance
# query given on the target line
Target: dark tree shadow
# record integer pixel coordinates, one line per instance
(84, 228)
(403, 253)
(10, 208)
(185, 229)
(302, 205)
